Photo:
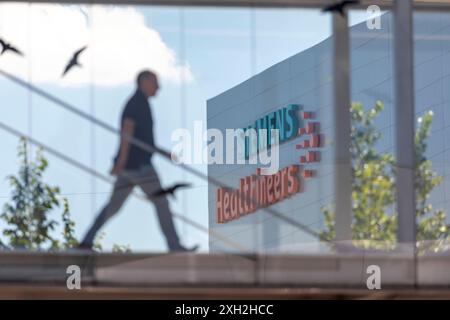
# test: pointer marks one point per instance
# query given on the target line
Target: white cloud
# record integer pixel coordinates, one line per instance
(119, 44)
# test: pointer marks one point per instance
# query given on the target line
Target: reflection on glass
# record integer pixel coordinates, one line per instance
(197, 56)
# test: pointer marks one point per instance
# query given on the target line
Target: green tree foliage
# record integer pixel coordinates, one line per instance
(29, 222)
(432, 229)
(117, 248)
(373, 189)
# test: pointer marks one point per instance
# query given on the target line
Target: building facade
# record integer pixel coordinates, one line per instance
(303, 83)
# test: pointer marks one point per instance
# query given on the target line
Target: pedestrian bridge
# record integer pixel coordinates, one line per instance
(44, 275)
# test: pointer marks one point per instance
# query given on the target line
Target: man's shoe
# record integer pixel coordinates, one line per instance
(181, 248)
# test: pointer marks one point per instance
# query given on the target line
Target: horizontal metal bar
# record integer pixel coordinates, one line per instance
(149, 148)
(221, 3)
(421, 5)
(212, 233)
(207, 3)
(147, 270)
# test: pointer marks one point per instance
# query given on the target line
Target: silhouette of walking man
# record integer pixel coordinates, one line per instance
(132, 165)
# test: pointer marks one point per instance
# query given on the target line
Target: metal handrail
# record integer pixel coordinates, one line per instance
(105, 178)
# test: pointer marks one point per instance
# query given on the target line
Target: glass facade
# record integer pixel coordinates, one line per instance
(221, 69)
(196, 52)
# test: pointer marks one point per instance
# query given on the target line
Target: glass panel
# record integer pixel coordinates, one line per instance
(373, 130)
(265, 53)
(431, 67)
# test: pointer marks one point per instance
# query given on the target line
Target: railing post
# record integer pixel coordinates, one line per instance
(404, 121)
(342, 126)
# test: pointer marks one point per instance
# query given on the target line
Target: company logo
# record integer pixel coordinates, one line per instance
(283, 120)
(257, 190)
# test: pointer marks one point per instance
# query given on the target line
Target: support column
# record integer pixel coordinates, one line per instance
(342, 125)
(404, 121)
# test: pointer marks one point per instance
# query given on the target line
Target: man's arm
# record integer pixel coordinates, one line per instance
(128, 127)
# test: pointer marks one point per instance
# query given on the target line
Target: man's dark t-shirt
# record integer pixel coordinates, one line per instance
(137, 109)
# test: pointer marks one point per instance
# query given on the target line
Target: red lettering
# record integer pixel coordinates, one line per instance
(294, 184)
(270, 197)
(284, 183)
(234, 205)
(256, 191)
(219, 206)
(277, 186)
(241, 209)
(226, 204)
(262, 191)
(247, 205)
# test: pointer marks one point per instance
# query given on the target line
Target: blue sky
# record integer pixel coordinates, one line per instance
(220, 48)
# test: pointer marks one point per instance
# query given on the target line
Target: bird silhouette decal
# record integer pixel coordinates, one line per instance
(339, 7)
(8, 47)
(74, 61)
(171, 190)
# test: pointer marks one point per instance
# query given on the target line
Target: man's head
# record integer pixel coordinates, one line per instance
(147, 82)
